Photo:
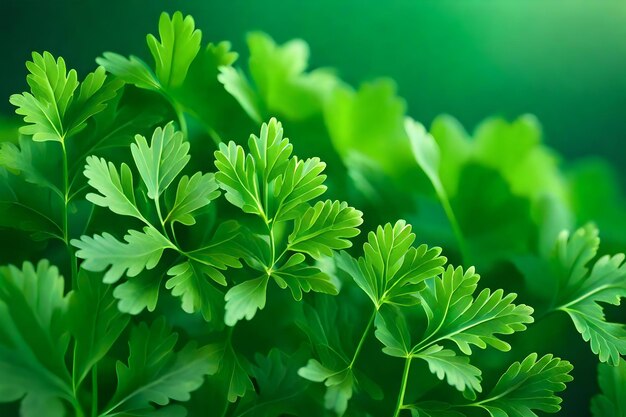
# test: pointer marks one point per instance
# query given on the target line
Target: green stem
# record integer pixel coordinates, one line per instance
(157, 204)
(456, 229)
(94, 391)
(405, 378)
(66, 233)
(362, 341)
(180, 114)
(78, 410)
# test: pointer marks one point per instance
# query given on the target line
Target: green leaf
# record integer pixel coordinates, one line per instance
(139, 251)
(243, 300)
(116, 188)
(426, 152)
(528, 386)
(33, 338)
(161, 162)
(325, 227)
(582, 288)
(279, 74)
(236, 83)
(139, 292)
(270, 151)
(454, 314)
(612, 381)
(457, 370)
(302, 182)
(131, 70)
(52, 88)
(370, 122)
(178, 46)
(95, 322)
(393, 332)
(454, 149)
(340, 384)
(231, 374)
(192, 194)
(247, 178)
(302, 278)
(156, 373)
(236, 176)
(392, 271)
(52, 111)
(94, 93)
(190, 279)
(34, 162)
(280, 389)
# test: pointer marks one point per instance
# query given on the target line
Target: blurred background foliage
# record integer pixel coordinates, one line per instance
(563, 61)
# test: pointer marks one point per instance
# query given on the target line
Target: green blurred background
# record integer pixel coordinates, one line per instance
(564, 61)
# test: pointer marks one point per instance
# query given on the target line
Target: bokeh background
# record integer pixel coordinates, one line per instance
(564, 61)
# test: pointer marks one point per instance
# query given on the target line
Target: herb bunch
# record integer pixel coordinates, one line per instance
(163, 265)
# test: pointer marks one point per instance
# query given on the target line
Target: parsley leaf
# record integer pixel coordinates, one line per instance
(155, 373)
(612, 381)
(581, 288)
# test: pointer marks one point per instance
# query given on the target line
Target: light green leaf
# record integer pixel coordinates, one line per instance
(302, 181)
(457, 370)
(370, 122)
(190, 281)
(131, 70)
(139, 251)
(95, 322)
(582, 288)
(33, 337)
(94, 93)
(178, 46)
(392, 271)
(302, 278)
(139, 292)
(191, 195)
(52, 111)
(453, 314)
(325, 227)
(454, 149)
(52, 88)
(243, 300)
(426, 151)
(236, 176)
(156, 373)
(393, 332)
(161, 162)
(340, 384)
(612, 401)
(279, 74)
(270, 151)
(236, 83)
(116, 188)
(528, 386)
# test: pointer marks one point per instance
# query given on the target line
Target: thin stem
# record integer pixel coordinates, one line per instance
(405, 378)
(456, 229)
(157, 204)
(94, 391)
(66, 238)
(362, 341)
(180, 114)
